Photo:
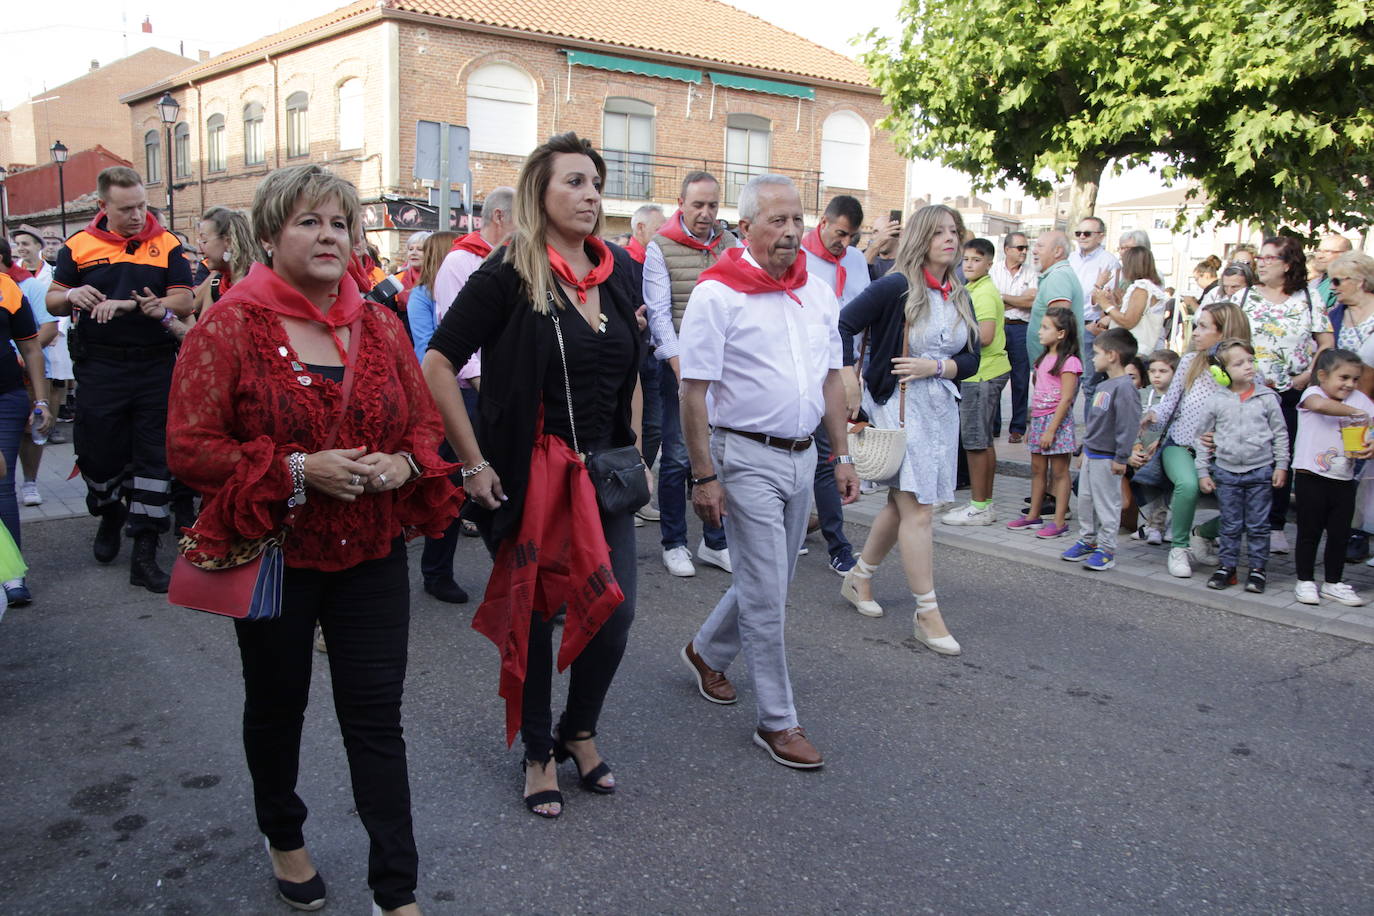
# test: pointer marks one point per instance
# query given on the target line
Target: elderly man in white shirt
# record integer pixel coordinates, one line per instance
(760, 360)
(469, 251)
(1096, 268)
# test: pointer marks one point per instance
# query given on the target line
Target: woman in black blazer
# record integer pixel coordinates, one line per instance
(555, 276)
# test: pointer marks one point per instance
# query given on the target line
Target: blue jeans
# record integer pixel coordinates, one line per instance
(674, 467)
(1088, 381)
(1244, 500)
(652, 408)
(1020, 377)
(14, 413)
(829, 507)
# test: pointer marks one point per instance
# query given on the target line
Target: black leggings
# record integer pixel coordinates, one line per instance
(1324, 505)
(1278, 507)
(594, 669)
(364, 612)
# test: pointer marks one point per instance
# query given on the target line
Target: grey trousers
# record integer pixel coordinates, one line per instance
(768, 502)
(1099, 504)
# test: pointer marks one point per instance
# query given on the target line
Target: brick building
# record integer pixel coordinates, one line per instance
(83, 113)
(708, 87)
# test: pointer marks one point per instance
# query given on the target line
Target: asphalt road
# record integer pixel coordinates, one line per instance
(1093, 751)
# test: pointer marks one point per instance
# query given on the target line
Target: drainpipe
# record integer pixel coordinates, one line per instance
(200, 148)
(276, 111)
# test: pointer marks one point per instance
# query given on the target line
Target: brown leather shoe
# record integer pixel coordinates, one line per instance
(714, 685)
(789, 747)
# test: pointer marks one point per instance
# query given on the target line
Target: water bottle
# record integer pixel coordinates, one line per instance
(39, 437)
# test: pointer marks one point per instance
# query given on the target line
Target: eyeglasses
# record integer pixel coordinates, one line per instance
(1086, 234)
(1019, 247)
(1337, 281)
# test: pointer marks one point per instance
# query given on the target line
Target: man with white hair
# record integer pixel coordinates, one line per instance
(1058, 285)
(644, 225)
(762, 338)
(471, 250)
(1332, 247)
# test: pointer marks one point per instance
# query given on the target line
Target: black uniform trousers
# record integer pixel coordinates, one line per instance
(121, 438)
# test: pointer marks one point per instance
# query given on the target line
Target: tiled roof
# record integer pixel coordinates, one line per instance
(705, 31)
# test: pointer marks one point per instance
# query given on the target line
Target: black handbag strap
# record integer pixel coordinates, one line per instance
(567, 384)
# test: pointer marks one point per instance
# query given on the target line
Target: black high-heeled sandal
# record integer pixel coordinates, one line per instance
(589, 781)
(301, 895)
(546, 797)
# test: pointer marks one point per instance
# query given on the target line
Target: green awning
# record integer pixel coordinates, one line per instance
(790, 90)
(626, 65)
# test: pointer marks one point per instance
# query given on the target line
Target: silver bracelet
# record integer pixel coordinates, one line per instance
(296, 462)
(476, 469)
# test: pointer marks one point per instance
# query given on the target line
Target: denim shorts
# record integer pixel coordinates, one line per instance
(978, 402)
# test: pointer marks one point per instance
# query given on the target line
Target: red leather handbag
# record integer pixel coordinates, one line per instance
(247, 584)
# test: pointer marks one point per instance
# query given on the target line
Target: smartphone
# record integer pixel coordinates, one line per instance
(894, 216)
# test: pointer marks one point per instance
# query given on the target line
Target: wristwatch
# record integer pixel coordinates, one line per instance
(844, 459)
(415, 471)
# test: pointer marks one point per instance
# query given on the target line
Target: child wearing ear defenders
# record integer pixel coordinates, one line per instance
(1248, 459)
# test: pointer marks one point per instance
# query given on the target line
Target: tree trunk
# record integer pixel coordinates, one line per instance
(1083, 199)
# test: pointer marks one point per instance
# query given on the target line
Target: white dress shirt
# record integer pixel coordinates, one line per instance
(1014, 284)
(658, 296)
(1088, 267)
(452, 277)
(855, 273)
(766, 355)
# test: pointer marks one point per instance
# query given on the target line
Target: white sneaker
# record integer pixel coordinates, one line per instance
(1154, 536)
(1278, 542)
(970, 515)
(1178, 563)
(679, 562)
(1306, 592)
(1204, 550)
(1342, 592)
(31, 495)
(719, 558)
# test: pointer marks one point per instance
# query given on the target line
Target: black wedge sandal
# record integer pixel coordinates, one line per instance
(589, 781)
(547, 797)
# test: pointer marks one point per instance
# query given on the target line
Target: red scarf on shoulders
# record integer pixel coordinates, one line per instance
(264, 286)
(595, 277)
(813, 245)
(19, 273)
(743, 277)
(472, 242)
(944, 288)
(408, 277)
(545, 567)
(636, 250)
(96, 227)
(673, 229)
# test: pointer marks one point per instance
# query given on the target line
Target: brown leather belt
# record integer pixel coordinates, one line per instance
(787, 445)
(1015, 321)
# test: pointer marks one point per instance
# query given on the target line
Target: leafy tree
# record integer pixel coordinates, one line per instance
(1265, 104)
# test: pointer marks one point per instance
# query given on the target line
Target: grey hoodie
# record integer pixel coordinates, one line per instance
(1249, 434)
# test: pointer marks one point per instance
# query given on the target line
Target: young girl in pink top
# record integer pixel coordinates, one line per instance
(1051, 436)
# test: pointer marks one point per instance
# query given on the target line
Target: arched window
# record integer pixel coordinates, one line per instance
(152, 156)
(351, 114)
(181, 149)
(297, 125)
(217, 160)
(748, 140)
(627, 144)
(254, 152)
(502, 110)
(844, 151)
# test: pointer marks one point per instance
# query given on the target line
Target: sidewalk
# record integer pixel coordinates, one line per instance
(1139, 565)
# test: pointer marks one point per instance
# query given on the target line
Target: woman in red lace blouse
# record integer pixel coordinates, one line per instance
(258, 389)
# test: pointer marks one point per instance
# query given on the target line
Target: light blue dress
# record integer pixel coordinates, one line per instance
(932, 409)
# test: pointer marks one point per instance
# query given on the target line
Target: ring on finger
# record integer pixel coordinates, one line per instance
(354, 480)
(381, 480)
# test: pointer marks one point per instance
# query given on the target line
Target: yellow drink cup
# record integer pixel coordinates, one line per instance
(1353, 438)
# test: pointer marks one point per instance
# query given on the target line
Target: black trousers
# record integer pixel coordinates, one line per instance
(120, 435)
(1324, 506)
(436, 558)
(1278, 509)
(594, 669)
(365, 615)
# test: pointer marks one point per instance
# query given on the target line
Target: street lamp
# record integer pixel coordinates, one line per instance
(4, 220)
(59, 155)
(167, 110)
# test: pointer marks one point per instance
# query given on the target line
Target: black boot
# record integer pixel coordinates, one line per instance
(108, 537)
(143, 569)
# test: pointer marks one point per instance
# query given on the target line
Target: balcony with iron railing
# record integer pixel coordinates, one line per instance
(647, 177)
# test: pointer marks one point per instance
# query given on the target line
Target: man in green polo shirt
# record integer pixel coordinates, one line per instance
(981, 393)
(1332, 247)
(1058, 286)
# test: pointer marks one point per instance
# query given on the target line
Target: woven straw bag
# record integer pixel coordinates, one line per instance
(878, 453)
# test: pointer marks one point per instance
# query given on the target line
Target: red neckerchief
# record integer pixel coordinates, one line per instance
(19, 273)
(595, 277)
(636, 250)
(264, 287)
(362, 278)
(945, 288)
(743, 277)
(544, 567)
(96, 227)
(474, 243)
(409, 278)
(813, 245)
(673, 229)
